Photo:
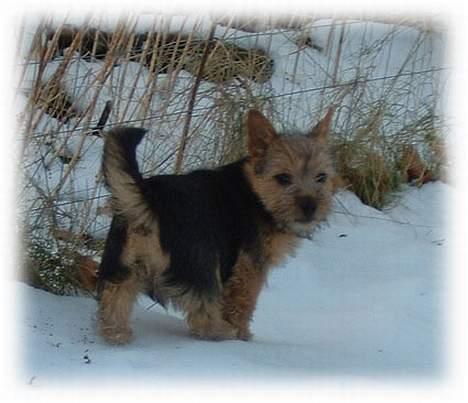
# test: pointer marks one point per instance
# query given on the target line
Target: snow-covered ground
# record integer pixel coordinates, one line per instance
(363, 299)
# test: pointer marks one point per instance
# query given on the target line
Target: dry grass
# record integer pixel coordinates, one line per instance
(375, 166)
(163, 53)
(367, 173)
(54, 100)
(154, 79)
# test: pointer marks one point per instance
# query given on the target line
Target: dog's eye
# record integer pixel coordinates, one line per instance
(283, 179)
(321, 177)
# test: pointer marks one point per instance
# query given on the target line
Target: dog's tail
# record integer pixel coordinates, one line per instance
(122, 175)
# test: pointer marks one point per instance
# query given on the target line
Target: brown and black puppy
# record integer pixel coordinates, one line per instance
(205, 241)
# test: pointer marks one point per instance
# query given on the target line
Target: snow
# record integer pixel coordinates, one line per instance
(364, 298)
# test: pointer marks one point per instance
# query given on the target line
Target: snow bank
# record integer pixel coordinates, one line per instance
(363, 299)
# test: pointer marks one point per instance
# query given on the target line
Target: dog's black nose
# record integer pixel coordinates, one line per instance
(308, 206)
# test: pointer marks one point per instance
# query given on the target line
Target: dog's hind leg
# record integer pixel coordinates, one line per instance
(115, 307)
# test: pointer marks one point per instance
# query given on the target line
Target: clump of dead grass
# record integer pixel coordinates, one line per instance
(367, 173)
(375, 166)
(164, 52)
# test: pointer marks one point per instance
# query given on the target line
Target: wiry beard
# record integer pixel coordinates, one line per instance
(306, 231)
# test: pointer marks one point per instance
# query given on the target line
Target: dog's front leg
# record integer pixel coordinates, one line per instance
(240, 296)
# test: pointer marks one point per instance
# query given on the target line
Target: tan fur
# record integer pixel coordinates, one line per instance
(144, 255)
(243, 288)
(205, 319)
(240, 295)
(227, 314)
(278, 247)
(303, 159)
(130, 201)
(143, 251)
(114, 310)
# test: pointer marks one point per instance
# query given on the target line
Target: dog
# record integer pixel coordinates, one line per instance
(205, 241)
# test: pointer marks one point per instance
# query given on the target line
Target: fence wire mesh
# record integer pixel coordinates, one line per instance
(190, 82)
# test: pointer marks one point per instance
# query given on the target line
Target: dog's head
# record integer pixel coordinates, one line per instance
(291, 174)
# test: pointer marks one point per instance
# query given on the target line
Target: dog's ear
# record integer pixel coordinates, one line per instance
(260, 133)
(322, 128)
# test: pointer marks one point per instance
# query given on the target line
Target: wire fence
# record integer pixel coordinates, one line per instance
(198, 111)
(386, 80)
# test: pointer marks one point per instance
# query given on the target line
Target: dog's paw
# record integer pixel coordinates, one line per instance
(217, 332)
(244, 334)
(118, 336)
